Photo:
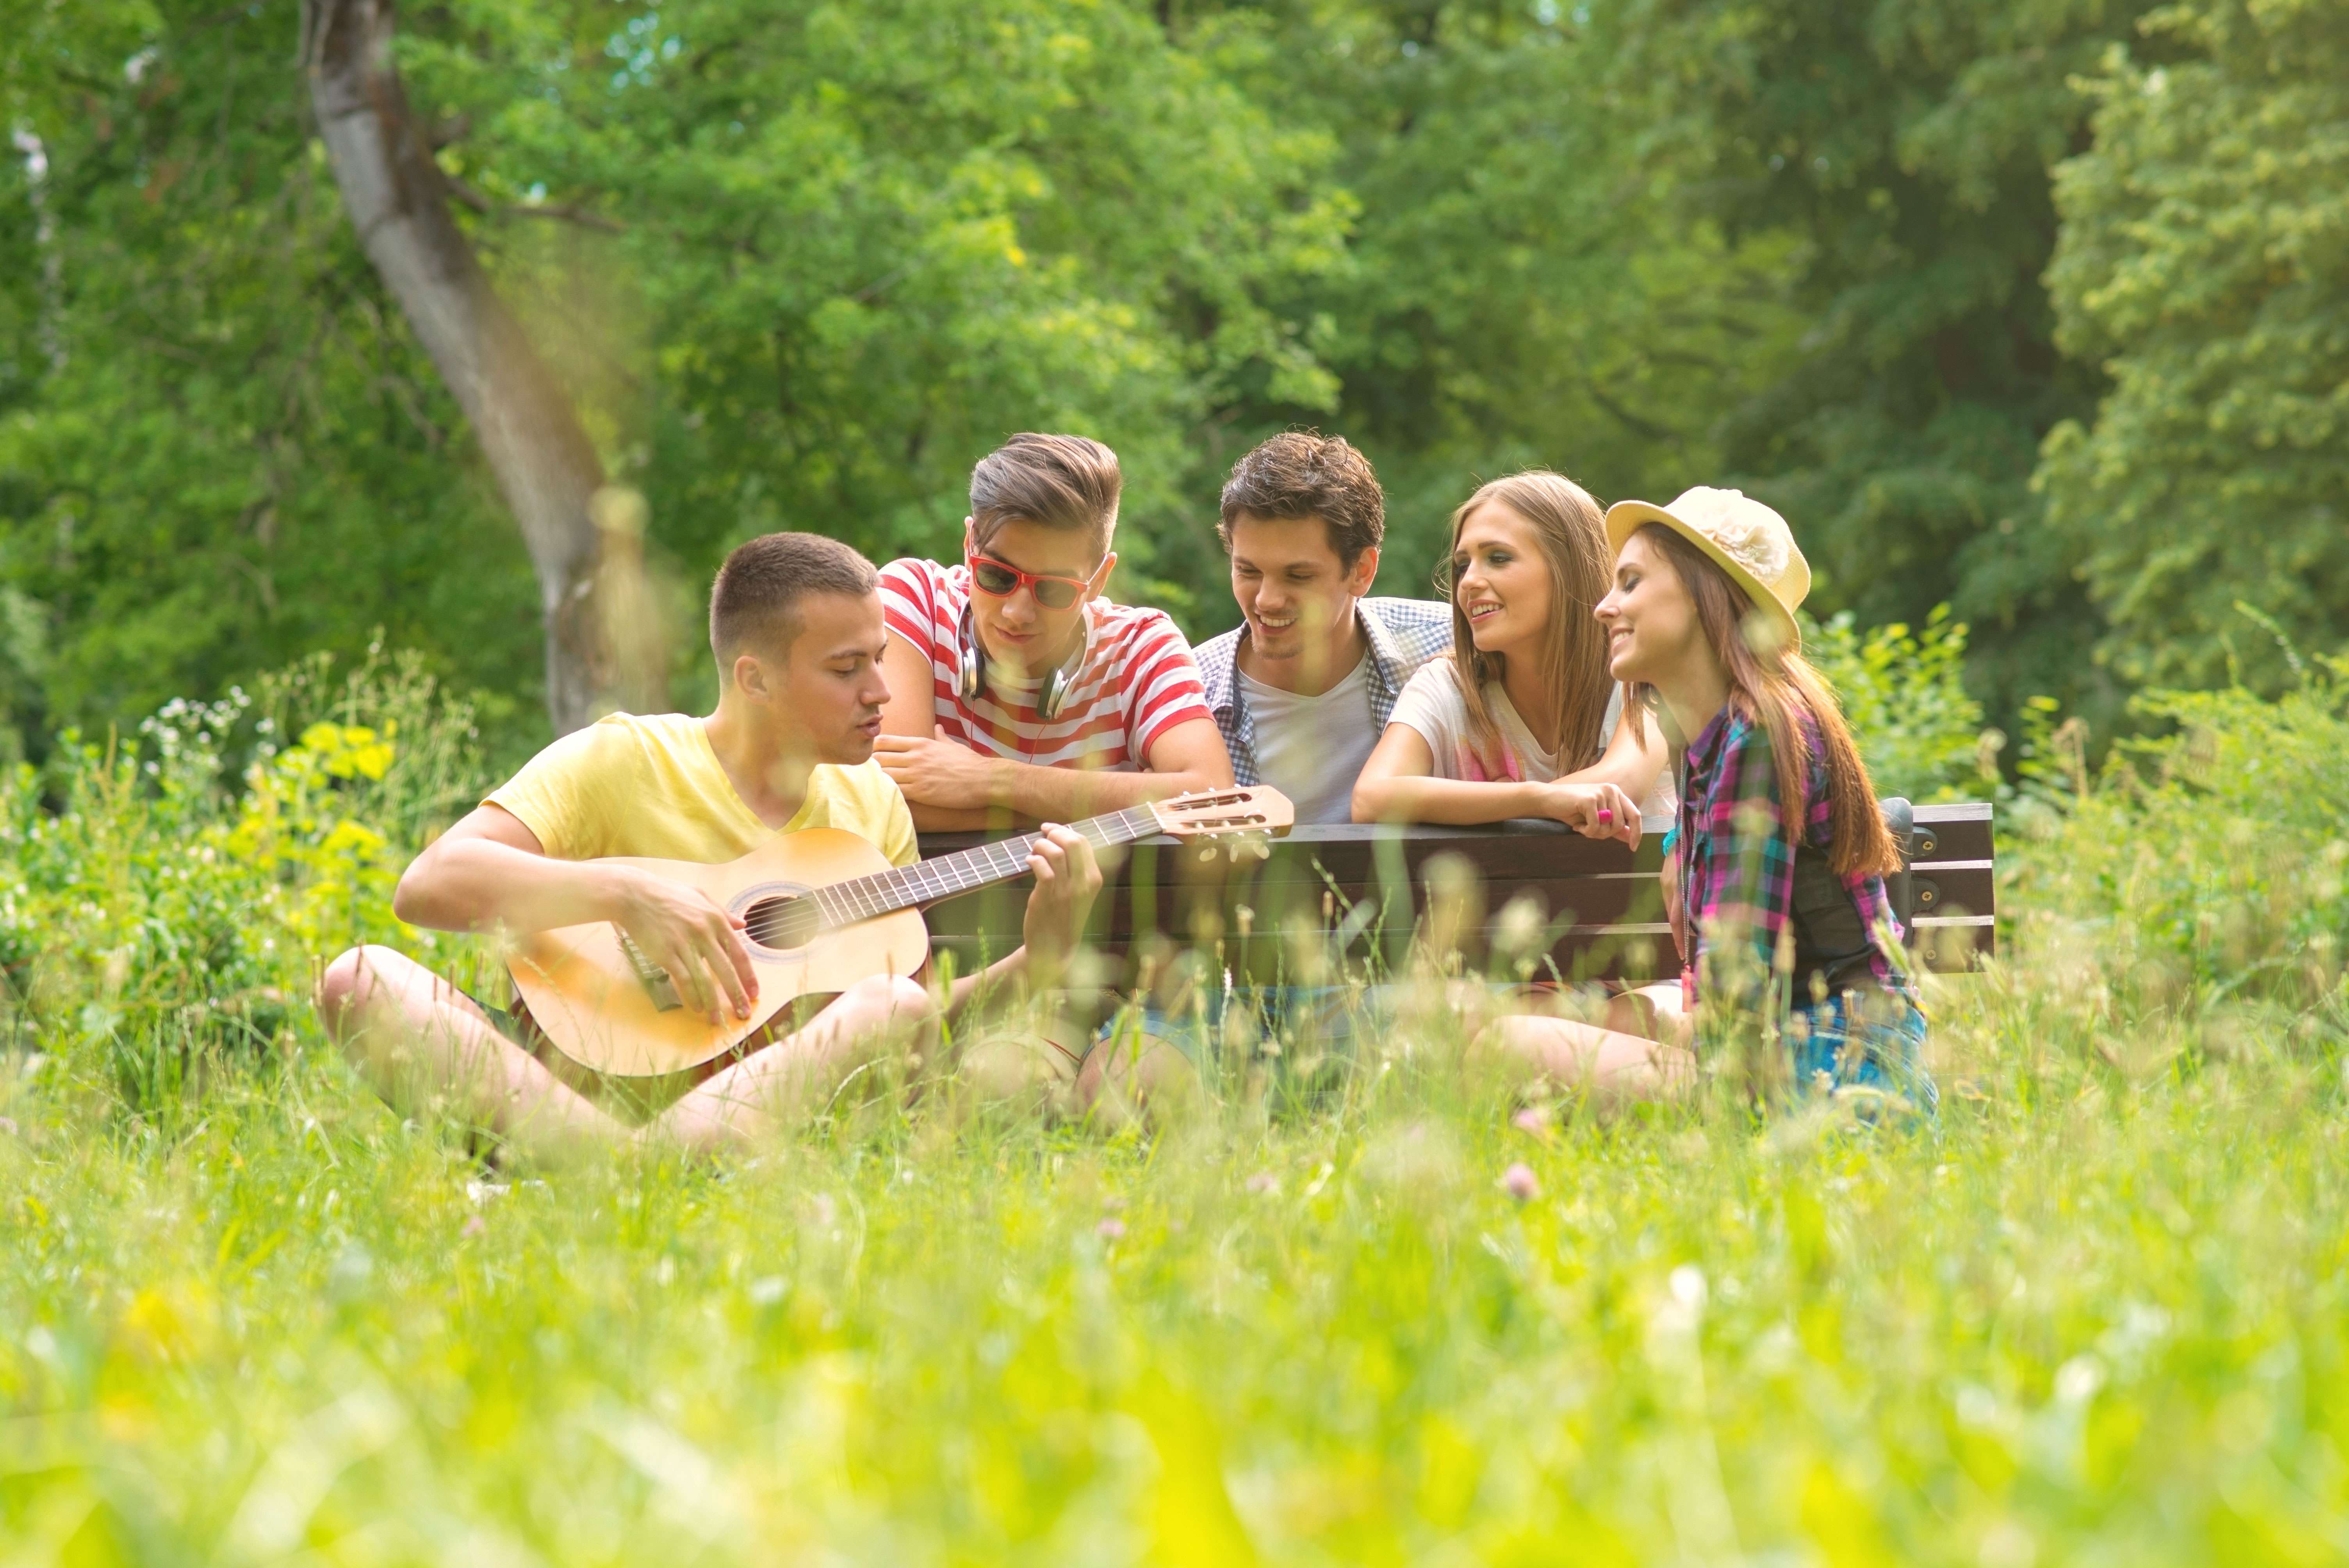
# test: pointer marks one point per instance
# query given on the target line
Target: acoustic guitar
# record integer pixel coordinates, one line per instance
(822, 910)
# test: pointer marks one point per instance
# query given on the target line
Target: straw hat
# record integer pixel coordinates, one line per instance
(1741, 536)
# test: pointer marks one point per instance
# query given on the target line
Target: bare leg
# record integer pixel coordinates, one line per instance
(1129, 1076)
(1603, 1063)
(1023, 1069)
(423, 1046)
(775, 1089)
(1653, 1012)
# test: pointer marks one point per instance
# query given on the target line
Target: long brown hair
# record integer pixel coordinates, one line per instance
(1572, 534)
(1769, 682)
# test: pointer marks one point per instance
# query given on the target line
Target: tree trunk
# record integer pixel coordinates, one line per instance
(399, 202)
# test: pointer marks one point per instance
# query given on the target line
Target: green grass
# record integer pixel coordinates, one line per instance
(2097, 1316)
(2084, 1320)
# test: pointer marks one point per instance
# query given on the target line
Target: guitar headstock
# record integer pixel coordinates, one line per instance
(1253, 811)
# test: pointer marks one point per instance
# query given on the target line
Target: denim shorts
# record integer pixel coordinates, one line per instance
(1302, 1024)
(1866, 1042)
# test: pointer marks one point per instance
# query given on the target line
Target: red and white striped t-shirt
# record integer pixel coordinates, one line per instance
(1138, 680)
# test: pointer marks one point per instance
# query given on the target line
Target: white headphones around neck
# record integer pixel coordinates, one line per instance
(971, 668)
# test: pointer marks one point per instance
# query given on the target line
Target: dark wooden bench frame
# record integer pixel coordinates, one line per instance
(1367, 888)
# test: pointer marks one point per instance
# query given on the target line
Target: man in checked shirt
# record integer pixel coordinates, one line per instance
(1303, 687)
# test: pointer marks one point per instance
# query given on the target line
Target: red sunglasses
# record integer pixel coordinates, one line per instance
(1000, 580)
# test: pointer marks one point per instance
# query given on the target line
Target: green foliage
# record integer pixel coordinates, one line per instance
(800, 264)
(1522, 286)
(799, 268)
(2204, 264)
(154, 919)
(1907, 147)
(1903, 692)
(861, 245)
(2210, 863)
(218, 447)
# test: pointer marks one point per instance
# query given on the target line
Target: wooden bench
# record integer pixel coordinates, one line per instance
(1366, 889)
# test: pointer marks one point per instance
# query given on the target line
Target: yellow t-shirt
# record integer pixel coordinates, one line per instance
(632, 785)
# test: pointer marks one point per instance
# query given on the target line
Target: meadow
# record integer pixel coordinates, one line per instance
(2096, 1314)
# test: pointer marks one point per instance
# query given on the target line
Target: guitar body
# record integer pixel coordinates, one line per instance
(590, 999)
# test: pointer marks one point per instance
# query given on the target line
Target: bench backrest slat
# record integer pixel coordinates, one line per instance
(1602, 902)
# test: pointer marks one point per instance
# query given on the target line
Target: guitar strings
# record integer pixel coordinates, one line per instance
(882, 892)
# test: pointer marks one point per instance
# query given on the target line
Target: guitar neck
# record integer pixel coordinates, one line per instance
(927, 881)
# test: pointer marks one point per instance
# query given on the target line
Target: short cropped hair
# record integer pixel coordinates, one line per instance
(1069, 482)
(755, 601)
(1303, 473)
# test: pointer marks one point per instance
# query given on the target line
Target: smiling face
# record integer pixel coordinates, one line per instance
(1297, 596)
(1500, 580)
(1017, 630)
(1650, 616)
(824, 692)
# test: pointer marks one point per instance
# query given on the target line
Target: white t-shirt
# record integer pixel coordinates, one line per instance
(1433, 705)
(1312, 748)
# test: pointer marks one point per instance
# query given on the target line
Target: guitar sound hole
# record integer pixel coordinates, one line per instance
(780, 924)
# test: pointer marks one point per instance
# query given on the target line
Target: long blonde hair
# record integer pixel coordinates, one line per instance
(1572, 533)
(1770, 685)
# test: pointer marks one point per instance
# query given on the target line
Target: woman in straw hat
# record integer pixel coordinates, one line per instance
(1781, 850)
(1522, 720)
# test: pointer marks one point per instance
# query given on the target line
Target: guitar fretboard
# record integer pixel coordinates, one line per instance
(927, 881)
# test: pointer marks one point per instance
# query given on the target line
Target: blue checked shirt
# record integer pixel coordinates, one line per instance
(1402, 634)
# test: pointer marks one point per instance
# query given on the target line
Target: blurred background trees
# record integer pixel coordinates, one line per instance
(2204, 267)
(2039, 309)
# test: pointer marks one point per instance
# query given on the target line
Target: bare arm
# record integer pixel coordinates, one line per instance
(912, 707)
(1189, 756)
(912, 712)
(489, 872)
(1067, 879)
(948, 785)
(1398, 785)
(1633, 760)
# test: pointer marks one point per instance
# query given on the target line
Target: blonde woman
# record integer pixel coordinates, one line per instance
(1521, 720)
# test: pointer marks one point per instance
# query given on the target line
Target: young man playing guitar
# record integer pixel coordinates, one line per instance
(796, 626)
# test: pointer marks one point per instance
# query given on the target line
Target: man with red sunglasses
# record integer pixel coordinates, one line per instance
(1016, 690)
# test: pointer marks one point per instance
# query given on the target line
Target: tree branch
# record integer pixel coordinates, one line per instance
(546, 468)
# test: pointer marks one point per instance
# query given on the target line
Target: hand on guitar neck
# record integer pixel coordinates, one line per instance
(1066, 879)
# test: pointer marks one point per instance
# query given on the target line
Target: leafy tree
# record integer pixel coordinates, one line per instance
(850, 250)
(1521, 286)
(2205, 263)
(797, 265)
(218, 445)
(604, 648)
(800, 266)
(1907, 144)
